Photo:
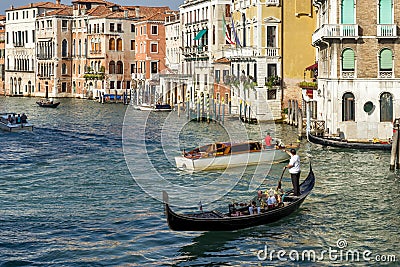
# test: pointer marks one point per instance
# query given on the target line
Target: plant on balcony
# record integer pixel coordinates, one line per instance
(272, 81)
(308, 85)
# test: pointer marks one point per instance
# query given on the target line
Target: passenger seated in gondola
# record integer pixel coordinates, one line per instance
(10, 119)
(23, 118)
(18, 120)
(257, 203)
(271, 201)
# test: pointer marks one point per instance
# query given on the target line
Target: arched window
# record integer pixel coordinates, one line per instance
(119, 44)
(80, 48)
(348, 60)
(73, 48)
(64, 68)
(347, 12)
(112, 67)
(385, 12)
(120, 67)
(64, 50)
(386, 107)
(385, 60)
(111, 45)
(348, 107)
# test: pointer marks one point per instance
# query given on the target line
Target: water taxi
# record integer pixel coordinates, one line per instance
(221, 155)
(6, 125)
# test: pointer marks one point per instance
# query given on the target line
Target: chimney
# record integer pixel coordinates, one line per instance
(58, 2)
(137, 13)
(125, 13)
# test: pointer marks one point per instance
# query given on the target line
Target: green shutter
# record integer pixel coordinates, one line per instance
(386, 60)
(348, 59)
(347, 11)
(385, 12)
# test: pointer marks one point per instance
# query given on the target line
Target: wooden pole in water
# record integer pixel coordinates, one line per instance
(300, 125)
(288, 113)
(398, 145)
(291, 113)
(223, 112)
(395, 144)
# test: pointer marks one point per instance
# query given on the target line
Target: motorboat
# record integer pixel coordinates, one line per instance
(221, 155)
(8, 126)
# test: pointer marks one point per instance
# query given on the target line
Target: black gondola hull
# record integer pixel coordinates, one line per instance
(48, 105)
(183, 222)
(343, 144)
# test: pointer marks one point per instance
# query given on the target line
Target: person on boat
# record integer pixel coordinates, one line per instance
(257, 202)
(294, 170)
(18, 121)
(13, 119)
(23, 118)
(268, 141)
(9, 119)
(271, 201)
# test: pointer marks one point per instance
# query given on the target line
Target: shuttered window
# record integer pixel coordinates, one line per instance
(348, 60)
(347, 12)
(385, 60)
(385, 12)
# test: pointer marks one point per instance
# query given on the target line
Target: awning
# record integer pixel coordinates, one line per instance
(313, 66)
(200, 34)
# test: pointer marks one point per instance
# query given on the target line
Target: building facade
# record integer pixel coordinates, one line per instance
(20, 61)
(358, 77)
(2, 54)
(272, 46)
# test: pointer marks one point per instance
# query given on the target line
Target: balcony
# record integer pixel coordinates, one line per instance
(348, 74)
(386, 31)
(272, 2)
(332, 31)
(386, 74)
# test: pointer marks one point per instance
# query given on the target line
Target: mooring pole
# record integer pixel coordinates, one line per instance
(395, 145)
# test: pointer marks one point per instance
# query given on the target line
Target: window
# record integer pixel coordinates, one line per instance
(271, 70)
(386, 107)
(154, 29)
(63, 87)
(132, 27)
(64, 69)
(120, 67)
(348, 107)
(385, 60)
(348, 60)
(119, 85)
(271, 36)
(133, 68)
(132, 44)
(112, 67)
(119, 44)
(112, 85)
(64, 48)
(154, 48)
(347, 12)
(33, 36)
(119, 27)
(217, 76)
(112, 27)
(154, 67)
(64, 24)
(111, 45)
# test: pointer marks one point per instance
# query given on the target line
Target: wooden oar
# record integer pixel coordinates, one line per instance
(280, 180)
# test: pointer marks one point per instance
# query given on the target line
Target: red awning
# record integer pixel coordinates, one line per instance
(313, 66)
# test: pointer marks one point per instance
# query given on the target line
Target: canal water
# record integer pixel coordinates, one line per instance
(84, 189)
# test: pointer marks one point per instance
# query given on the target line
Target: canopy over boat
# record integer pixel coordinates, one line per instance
(217, 221)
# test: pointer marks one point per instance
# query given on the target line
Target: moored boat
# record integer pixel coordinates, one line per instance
(157, 107)
(342, 143)
(222, 155)
(6, 125)
(217, 221)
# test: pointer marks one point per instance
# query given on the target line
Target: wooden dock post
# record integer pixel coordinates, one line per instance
(395, 146)
(223, 112)
(296, 114)
(288, 112)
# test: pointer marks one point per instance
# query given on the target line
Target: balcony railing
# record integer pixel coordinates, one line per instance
(348, 74)
(386, 30)
(272, 2)
(272, 52)
(335, 31)
(386, 74)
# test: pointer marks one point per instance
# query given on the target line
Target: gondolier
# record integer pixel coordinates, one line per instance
(294, 170)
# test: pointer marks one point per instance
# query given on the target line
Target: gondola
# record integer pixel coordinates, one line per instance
(217, 221)
(47, 104)
(337, 142)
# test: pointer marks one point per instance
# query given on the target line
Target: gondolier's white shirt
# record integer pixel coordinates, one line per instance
(295, 162)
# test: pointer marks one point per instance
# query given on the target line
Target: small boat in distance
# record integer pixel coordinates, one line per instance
(157, 107)
(6, 125)
(343, 143)
(218, 221)
(222, 155)
(47, 103)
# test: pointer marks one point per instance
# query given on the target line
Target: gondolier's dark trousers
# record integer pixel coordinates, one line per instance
(296, 183)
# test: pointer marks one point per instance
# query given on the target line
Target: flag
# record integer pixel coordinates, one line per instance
(235, 34)
(226, 33)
